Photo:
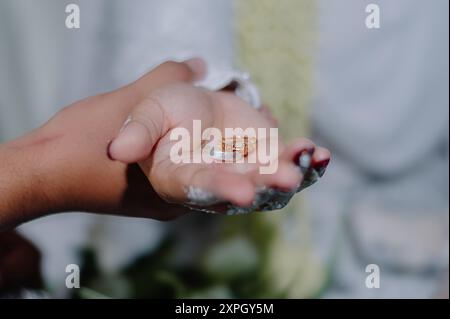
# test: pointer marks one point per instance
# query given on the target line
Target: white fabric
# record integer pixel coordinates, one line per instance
(382, 107)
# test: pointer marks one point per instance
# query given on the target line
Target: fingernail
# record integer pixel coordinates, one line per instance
(321, 167)
(127, 121)
(128, 132)
(108, 149)
(198, 67)
(304, 161)
(308, 150)
(131, 144)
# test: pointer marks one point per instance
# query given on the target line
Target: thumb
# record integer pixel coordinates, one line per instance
(145, 125)
(140, 132)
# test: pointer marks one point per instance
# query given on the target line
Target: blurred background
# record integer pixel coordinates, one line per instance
(377, 98)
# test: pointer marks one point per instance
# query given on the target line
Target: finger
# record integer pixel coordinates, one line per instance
(320, 160)
(139, 133)
(226, 186)
(286, 177)
(170, 72)
(146, 123)
(295, 149)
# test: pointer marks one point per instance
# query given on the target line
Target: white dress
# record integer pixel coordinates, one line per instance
(382, 107)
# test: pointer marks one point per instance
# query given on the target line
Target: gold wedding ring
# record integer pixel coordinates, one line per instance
(233, 148)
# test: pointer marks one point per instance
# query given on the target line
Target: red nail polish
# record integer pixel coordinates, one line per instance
(297, 156)
(321, 167)
(323, 163)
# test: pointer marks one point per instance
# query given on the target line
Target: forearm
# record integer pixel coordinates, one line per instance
(64, 165)
(46, 172)
(23, 193)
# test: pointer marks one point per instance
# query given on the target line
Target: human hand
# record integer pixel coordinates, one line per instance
(146, 139)
(63, 165)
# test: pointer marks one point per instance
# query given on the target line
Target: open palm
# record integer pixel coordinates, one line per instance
(146, 140)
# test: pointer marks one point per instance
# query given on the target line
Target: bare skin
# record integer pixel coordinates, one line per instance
(77, 162)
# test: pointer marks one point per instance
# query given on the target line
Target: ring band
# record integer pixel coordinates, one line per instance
(233, 148)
